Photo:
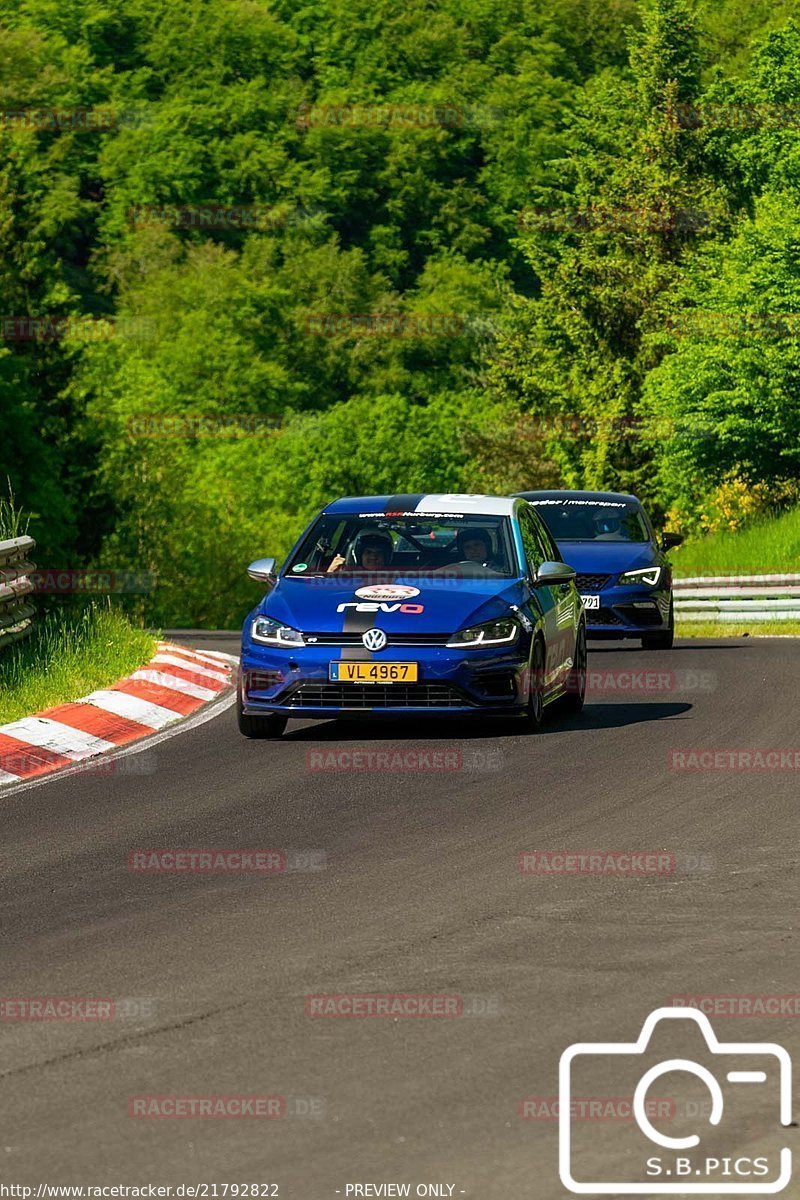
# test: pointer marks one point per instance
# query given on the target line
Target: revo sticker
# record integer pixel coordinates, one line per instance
(364, 607)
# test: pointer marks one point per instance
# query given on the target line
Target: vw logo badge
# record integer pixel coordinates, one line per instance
(374, 639)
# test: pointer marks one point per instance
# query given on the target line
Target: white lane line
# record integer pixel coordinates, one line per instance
(53, 735)
(185, 665)
(208, 713)
(154, 716)
(176, 684)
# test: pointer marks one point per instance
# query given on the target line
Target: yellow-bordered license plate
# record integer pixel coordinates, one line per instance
(373, 672)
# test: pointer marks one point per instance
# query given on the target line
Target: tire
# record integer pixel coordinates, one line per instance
(664, 638)
(535, 709)
(575, 698)
(271, 726)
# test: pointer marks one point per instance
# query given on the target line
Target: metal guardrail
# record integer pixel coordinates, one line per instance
(16, 613)
(738, 598)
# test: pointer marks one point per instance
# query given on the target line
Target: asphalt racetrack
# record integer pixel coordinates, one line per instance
(398, 882)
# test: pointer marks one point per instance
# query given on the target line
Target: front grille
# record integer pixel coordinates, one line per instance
(591, 583)
(375, 695)
(603, 616)
(394, 639)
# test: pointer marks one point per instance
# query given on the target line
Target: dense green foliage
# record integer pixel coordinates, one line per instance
(764, 546)
(69, 655)
(426, 161)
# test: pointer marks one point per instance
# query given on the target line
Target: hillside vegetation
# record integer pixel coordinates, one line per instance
(471, 245)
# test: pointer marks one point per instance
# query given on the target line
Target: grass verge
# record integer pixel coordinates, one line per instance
(728, 629)
(767, 547)
(68, 655)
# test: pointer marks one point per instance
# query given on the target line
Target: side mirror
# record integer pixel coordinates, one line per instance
(262, 570)
(668, 540)
(553, 572)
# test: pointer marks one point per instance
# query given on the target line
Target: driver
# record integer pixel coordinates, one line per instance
(372, 551)
(608, 527)
(475, 545)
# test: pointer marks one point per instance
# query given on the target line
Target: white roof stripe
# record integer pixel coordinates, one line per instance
(476, 505)
(61, 739)
(7, 777)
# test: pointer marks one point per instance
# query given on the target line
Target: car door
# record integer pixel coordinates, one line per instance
(549, 599)
(569, 604)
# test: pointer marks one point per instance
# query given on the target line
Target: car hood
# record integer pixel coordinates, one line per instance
(608, 557)
(313, 605)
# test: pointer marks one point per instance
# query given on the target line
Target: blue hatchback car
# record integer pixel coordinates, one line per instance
(412, 605)
(622, 570)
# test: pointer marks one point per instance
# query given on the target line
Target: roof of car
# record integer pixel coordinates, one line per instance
(432, 504)
(568, 494)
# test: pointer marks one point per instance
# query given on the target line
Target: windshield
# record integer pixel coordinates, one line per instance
(366, 543)
(577, 520)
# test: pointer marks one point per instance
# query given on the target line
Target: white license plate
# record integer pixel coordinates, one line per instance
(591, 601)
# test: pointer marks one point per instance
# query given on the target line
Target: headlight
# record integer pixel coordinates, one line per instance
(648, 575)
(273, 633)
(490, 633)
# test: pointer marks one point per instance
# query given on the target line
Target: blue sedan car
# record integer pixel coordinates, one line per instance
(414, 604)
(623, 574)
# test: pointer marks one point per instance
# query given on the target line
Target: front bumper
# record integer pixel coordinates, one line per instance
(628, 612)
(294, 683)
